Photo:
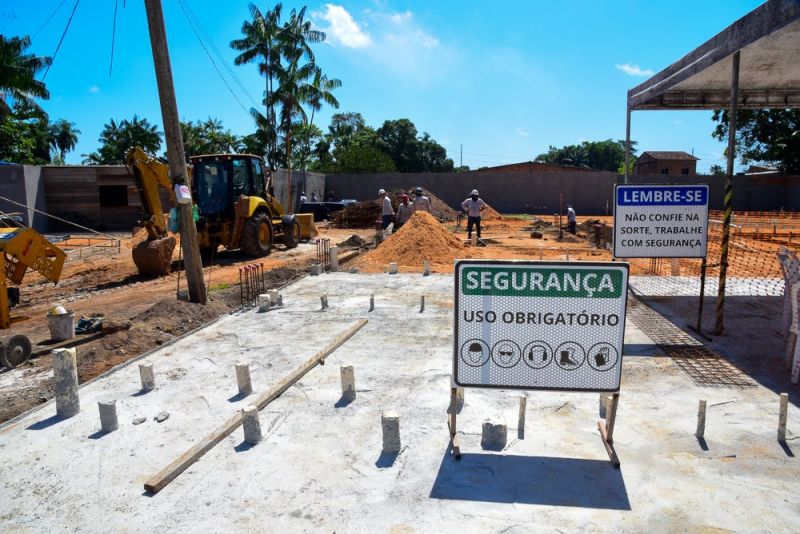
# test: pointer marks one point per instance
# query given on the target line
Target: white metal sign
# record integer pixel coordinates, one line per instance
(660, 221)
(539, 325)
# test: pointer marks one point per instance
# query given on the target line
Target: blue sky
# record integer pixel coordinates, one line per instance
(503, 79)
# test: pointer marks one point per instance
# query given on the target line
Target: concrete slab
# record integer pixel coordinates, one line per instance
(320, 466)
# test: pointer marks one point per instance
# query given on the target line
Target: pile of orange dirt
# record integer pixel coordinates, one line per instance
(364, 214)
(421, 239)
(490, 214)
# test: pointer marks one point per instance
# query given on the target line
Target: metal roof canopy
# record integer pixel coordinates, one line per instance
(768, 39)
(752, 64)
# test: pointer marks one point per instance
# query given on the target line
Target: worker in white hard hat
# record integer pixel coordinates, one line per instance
(421, 202)
(473, 206)
(571, 219)
(387, 213)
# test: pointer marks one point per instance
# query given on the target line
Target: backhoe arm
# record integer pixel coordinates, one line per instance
(150, 173)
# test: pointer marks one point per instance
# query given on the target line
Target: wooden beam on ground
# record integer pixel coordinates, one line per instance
(158, 481)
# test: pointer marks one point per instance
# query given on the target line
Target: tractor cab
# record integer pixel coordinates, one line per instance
(219, 180)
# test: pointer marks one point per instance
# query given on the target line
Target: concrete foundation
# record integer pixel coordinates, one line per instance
(334, 259)
(148, 377)
(426, 268)
(320, 467)
(316, 269)
(108, 415)
(251, 425)
(348, 384)
(243, 378)
(390, 427)
(65, 372)
(494, 434)
(264, 302)
(393, 268)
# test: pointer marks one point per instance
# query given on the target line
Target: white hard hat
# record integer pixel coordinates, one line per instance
(474, 192)
(381, 191)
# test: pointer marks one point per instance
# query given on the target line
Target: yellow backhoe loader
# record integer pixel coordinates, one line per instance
(234, 204)
(22, 249)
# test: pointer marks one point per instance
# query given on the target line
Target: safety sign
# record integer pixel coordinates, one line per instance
(539, 325)
(660, 221)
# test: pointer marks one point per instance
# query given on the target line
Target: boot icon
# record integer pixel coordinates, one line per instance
(566, 357)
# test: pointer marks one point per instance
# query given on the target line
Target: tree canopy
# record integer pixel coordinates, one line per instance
(117, 138)
(770, 136)
(608, 155)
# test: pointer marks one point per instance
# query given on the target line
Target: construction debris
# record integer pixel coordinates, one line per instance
(364, 214)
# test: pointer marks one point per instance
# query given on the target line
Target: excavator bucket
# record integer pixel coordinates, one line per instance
(153, 257)
(307, 227)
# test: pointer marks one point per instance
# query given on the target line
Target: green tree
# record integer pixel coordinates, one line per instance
(412, 153)
(117, 138)
(770, 136)
(608, 155)
(357, 158)
(319, 91)
(63, 137)
(18, 71)
(716, 170)
(208, 137)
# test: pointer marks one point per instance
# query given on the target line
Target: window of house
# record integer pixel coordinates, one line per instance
(685, 171)
(241, 182)
(113, 195)
(665, 171)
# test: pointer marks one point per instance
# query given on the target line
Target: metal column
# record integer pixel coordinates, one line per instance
(728, 200)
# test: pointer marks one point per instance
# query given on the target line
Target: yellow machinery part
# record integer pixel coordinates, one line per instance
(307, 227)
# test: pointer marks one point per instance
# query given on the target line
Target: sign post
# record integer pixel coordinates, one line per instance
(540, 326)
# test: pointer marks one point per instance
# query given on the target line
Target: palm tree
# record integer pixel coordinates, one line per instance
(18, 73)
(262, 42)
(320, 91)
(63, 137)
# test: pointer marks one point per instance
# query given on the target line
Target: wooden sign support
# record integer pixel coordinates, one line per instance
(606, 427)
(455, 444)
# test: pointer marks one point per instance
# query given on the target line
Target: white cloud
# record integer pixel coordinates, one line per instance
(342, 29)
(94, 89)
(521, 131)
(634, 70)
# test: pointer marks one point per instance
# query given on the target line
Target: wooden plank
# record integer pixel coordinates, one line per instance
(612, 454)
(158, 481)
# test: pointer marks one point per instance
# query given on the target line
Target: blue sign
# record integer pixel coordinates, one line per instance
(645, 195)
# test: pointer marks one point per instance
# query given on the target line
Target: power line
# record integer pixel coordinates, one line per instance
(222, 60)
(48, 19)
(53, 59)
(211, 59)
(113, 37)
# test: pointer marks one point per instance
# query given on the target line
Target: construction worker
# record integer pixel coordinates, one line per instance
(421, 203)
(387, 213)
(571, 219)
(314, 196)
(404, 212)
(303, 198)
(473, 207)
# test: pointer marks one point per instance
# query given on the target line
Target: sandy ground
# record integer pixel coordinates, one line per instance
(320, 467)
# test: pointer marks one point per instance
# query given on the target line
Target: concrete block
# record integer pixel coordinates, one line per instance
(494, 434)
(372, 303)
(108, 415)
(148, 376)
(783, 415)
(324, 301)
(280, 300)
(390, 426)
(264, 302)
(523, 405)
(273, 297)
(316, 269)
(243, 378)
(251, 425)
(426, 268)
(348, 383)
(334, 259)
(701, 420)
(393, 268)
(65, 370)
(422, 304)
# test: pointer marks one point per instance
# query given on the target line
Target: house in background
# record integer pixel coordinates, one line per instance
(670, 162)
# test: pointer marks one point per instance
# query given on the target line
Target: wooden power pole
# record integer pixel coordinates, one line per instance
(175, 155)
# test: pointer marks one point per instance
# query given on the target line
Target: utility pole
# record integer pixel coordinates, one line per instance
(461, 159)
(177, 158)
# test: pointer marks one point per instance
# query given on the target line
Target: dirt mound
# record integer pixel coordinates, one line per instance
(364, 214)
(421, 238)
(490, 214)
(182, 315)
(354, 241)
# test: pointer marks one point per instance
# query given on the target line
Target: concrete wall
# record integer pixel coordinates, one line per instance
(301, 181)
(508, 192)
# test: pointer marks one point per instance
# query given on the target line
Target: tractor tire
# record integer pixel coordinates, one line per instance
(291, 234)
(15, 351)
(257, 235)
